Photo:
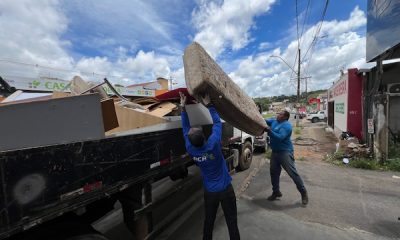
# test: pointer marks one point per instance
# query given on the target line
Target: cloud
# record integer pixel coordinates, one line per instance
(226, 24)
(341, 47)
(36, 34)
(31, 32)
(264, 46)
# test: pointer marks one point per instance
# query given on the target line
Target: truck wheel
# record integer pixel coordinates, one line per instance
(246, 157)
(314, 120)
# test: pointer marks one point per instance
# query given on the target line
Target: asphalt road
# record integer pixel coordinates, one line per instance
(345, 203)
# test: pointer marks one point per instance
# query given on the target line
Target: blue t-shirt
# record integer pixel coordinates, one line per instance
(280, 135)
(209, 157)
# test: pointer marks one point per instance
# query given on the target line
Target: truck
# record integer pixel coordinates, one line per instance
(58, 191)
(316, 116)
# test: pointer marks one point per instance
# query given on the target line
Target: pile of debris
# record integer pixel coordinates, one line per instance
(86, 112)
(351, 147)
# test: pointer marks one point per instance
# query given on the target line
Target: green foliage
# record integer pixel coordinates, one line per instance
(297, 130)
(266, 101)
(268, 153)
(393, 164)
(268, 115)
(364, 163)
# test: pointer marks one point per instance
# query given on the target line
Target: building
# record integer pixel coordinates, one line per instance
(345, 104)
(381, 107)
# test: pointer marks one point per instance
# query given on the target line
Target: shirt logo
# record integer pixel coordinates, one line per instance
(204, 157)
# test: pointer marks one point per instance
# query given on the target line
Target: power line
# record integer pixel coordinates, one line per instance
(58, 69)
(317, 30)
(297, 26)
(315, 38)
(305, 18)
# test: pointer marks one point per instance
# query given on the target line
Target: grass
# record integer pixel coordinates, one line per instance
(364, 162)
(268, 153)
(297, 130)
(268, 115)
(301, 159)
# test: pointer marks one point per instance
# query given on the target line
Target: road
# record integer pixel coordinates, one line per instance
(345, 203)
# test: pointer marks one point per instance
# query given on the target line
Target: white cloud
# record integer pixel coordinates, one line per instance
(31, 32)
(35, 35)
(340, 47)
(145, 66)
(264, 45)
(226, 24)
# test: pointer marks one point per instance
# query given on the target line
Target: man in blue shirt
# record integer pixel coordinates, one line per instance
(280, 131)
(207, 154)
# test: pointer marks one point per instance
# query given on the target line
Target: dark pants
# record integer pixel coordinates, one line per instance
(285, 160)
(227, 199)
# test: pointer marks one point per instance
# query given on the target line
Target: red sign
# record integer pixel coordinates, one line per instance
(314, 100)
(340, 88)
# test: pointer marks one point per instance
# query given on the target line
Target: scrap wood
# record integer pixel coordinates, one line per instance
(78, 86)
(162, 109)
(133, 118)
(145, 100)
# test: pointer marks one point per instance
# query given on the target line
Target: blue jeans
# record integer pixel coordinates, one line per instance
(285, 160)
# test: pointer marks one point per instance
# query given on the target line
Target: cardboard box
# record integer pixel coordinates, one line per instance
(110, 119)
(131, 119)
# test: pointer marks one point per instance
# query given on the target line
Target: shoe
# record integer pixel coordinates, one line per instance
(304, 198)
(274, 196)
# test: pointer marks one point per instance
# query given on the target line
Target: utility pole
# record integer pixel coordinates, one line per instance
(298, 91)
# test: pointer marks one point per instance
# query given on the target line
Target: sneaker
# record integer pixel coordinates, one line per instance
(274, 196)
(304, 198)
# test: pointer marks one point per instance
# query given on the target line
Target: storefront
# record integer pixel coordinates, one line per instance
(345, 104)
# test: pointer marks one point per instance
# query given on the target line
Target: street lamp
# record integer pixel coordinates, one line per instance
(298, 84)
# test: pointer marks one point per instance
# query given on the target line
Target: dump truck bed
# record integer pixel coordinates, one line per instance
(39, 184)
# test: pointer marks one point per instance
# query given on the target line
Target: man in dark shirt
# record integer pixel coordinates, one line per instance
(280, 131)
(207, 155)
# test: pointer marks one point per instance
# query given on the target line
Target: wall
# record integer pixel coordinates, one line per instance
(339, 94)
(354, 114)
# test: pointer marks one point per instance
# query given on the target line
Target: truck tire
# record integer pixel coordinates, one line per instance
(314, 120)
(246, 156)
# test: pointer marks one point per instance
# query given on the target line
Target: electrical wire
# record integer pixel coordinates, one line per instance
(311, 48)
(58, 69)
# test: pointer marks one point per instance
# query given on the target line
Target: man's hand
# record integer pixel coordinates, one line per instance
(267, 129)
(205, 99)
(183, 99)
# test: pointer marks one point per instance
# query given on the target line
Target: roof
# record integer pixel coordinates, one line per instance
(141, 84)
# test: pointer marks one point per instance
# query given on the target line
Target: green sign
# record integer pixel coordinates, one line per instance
(339, 107)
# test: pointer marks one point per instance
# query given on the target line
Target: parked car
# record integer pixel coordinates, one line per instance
(316, 116)
(301, 115)
(261, 142)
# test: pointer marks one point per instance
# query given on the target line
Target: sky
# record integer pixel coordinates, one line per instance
(139, 40)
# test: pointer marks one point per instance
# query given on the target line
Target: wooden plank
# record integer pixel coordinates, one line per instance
(60, 94)
(203, 75)
(162, 109)
(110, 119)
(131, 119)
